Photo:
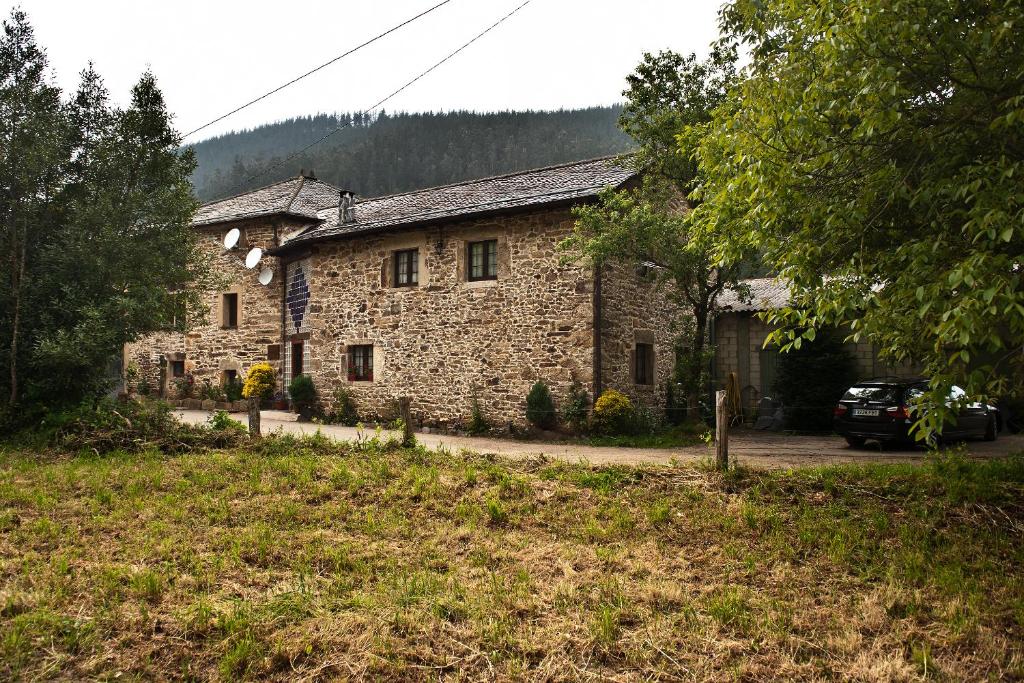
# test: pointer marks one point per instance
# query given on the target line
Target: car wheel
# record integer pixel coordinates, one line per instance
(856, 441)
(990, 428)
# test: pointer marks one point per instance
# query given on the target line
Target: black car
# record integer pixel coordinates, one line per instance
(880, 409)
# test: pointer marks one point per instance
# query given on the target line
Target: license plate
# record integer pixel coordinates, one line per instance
(865, 412)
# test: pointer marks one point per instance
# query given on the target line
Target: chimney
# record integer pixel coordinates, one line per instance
(347, 207)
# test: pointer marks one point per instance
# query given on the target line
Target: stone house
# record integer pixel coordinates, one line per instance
(739, 334)
(446, 295)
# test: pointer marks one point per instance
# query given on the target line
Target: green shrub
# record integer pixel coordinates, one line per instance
(260, 382)
(613, 413)
(477, 421)
(211, 392)
(184, 386)
(575, 410)
(220, 420)
(303, 392)
(540, 408)
(345, 411)
(233, 389)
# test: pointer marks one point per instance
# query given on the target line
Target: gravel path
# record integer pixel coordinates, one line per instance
(748, 447)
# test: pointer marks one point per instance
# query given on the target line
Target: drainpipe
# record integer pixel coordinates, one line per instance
(597, 333)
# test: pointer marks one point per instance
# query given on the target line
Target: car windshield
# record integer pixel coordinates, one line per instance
(874, 394)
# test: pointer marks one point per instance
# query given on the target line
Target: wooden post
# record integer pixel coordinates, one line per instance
(721, 430)
(405, 412)
(254, 418)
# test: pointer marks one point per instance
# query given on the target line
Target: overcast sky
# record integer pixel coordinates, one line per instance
(209, 56)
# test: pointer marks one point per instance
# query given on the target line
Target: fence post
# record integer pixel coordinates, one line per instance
(405, 412)
(721, 430)
(254, 418)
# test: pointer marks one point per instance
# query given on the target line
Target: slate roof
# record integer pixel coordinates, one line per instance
(300, 196)
(766, 293)
(475, 198)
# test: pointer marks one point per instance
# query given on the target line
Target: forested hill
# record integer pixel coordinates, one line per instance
(399, 152)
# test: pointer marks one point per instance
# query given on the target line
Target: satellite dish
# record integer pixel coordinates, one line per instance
(266, 275)
(231, 239)
(252, 259)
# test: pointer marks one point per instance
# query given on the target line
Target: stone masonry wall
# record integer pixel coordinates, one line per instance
(210, 348)
(447, 340)
(636, 310)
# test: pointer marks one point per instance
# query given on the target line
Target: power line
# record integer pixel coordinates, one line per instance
(313, 71)
(348, 123)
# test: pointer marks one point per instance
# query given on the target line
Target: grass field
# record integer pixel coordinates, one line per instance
(306, 560)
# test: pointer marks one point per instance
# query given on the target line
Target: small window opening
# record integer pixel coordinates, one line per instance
(644, 364)
(360, 363)
(230, 310)
(407, 265)
(177, 368)
(297, 359)
(482, 260)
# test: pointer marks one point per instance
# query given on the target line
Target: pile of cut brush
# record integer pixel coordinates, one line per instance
(134, 426)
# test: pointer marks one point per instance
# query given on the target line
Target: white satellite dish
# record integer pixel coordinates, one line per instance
(252, 259)
(266, 275)
(231, 239)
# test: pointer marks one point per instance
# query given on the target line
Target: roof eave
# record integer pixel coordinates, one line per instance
(436, 220)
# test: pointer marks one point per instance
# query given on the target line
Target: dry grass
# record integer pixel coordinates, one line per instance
(304, 560)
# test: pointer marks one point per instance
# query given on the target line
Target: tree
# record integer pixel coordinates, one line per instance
(667, 95)
(873, 154)
(96, 215)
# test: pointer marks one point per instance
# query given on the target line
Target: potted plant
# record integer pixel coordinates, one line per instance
(303, 395)
(260, 383)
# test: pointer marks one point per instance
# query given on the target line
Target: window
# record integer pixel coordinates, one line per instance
(273, 352)
(230, 376)
(482, 260)
(644, 364)
(297, 359)
(360, 363)
(229, 310)
(407, 267)
(177, 368)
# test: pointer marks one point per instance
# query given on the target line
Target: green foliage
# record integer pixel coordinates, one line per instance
(575, 410)
(613, 413)
(303, 392)
(233, 389)
(94, 224)
(477, 422)
(184, 386)
(874, 157)
(373, 152)
(811, 379)
(211, 392)
(221, 421)
(260, 382)
(540, 407)
(345, 410)
(648, 224)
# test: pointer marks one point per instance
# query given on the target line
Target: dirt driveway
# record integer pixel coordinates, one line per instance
(748, 447)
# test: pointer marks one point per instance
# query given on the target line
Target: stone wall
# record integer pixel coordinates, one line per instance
(442, 342)
(210, 347)
(636, 310)
(447, 340)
